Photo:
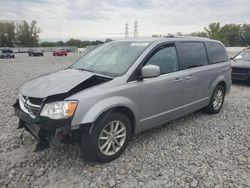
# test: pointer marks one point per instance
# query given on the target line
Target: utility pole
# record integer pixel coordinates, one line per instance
(135, 29)
(126, 31)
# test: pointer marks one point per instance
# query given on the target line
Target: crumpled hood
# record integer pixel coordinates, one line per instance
(54, 83)
(241, 64)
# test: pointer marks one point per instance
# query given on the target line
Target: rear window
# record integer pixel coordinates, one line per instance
(216, 52)
(37, 50)
(192, 54)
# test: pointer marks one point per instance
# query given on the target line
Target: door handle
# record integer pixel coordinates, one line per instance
(178, 79)
(189, 77)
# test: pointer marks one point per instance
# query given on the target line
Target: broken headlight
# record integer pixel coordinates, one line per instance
(59, 110)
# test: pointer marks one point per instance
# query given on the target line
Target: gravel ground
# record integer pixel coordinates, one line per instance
(198, 150)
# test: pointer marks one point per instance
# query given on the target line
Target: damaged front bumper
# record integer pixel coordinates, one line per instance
(42, 128)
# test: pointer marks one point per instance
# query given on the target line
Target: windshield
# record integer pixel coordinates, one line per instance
(243, 56)
(112, 59)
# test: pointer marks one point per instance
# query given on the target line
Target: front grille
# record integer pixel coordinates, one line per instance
(239, 76)
(30, 106)
(240, 70)
(32, 109)
(36, 101)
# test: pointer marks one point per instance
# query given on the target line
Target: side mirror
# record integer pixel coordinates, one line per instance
(150, 71)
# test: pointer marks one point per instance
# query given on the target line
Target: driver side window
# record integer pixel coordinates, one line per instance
(166, 59)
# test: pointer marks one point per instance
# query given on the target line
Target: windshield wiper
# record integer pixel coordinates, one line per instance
(81, 69)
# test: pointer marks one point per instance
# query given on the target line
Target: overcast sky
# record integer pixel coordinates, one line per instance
(93, 19)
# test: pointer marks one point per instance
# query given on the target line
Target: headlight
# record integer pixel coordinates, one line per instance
(59, 110)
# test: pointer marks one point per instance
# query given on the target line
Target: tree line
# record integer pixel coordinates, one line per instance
(229, 34)
(72, 42)
(26, 34)
(19, 33)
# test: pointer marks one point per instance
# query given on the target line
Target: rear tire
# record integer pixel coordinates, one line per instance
(108, 139)
(217, 100)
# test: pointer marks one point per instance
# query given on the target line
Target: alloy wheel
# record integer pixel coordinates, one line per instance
(112, 137)
(218, 99)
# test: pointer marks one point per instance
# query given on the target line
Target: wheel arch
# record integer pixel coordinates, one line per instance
(127, 112)
(108, 105)
(219, 81)
(223, 84)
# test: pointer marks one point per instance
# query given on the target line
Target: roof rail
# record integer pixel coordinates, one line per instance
(169, 36)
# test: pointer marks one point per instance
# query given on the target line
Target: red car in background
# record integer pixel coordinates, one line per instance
(60, 53)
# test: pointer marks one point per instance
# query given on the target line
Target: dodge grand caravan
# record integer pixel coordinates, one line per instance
(121, 89)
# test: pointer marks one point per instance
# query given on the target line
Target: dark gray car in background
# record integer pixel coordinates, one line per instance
(241, 66)
(7, 53)
(35, 52)
(121, 89)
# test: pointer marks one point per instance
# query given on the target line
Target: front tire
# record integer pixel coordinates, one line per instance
(108, 139)
(217, 100)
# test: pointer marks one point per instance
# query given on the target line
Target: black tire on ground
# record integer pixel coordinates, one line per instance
(90, 150)
(211, 109)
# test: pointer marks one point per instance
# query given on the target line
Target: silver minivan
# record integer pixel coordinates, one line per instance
(122, 88)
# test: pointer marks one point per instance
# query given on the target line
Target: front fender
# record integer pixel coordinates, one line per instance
(102, 106)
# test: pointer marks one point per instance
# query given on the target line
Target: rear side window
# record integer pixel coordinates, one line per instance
(192, 54)
(216, 52)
